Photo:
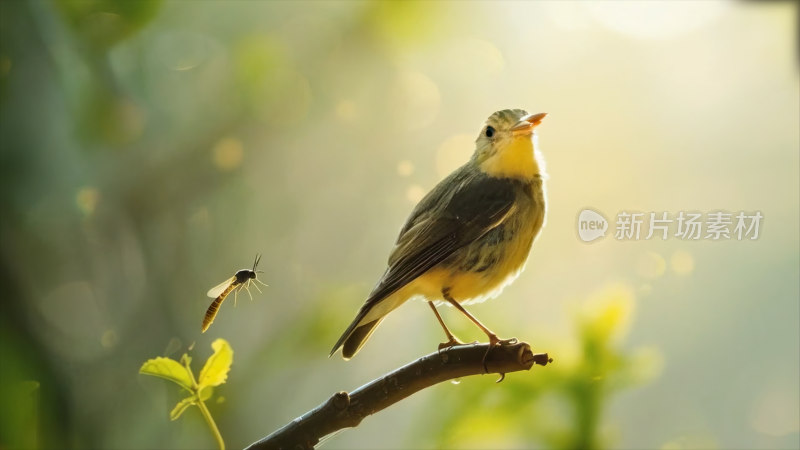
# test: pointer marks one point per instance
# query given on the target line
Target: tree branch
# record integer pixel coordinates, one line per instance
(343, 410)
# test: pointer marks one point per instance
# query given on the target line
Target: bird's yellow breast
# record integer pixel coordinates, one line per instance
(482, 269)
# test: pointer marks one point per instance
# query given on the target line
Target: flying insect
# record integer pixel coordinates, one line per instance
(242, 279)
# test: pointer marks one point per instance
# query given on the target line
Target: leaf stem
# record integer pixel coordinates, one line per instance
(202, 406)
(211, 424)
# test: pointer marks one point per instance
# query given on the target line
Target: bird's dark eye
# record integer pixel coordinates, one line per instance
(489, 132)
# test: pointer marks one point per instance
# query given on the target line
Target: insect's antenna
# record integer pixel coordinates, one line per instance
(255, 263)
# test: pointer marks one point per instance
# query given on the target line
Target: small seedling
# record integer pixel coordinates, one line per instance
(214, 373)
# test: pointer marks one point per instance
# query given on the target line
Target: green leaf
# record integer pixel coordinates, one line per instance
(168, 369)
(215, 372)
(206, 393)
(181, 407)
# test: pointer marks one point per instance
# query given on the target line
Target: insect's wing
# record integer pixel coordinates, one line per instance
(218, 289)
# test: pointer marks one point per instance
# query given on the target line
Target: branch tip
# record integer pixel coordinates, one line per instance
(541, 359)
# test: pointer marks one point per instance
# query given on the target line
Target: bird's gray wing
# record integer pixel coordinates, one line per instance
(474, 205)
(459, 210)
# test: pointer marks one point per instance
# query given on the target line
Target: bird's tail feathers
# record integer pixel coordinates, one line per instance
(358, 338)
(368, 318)
(356, 335)
(348, 331)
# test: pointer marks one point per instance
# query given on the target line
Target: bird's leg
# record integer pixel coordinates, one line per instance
(451, 339)
(493, 339)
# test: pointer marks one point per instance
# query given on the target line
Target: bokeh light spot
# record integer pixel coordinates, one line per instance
(5, 66)
(682, 262)
(415, 99)
(72, 319)
(405, 168)
(87, 199)
(228, 154)
(347, 111)
(109, 339)
(115, 120)
(651, 265)
(453, 153)
(200, 218)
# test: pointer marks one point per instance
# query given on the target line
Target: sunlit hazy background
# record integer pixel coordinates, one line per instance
(151, 148)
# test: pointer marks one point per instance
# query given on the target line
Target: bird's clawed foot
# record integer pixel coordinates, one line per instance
(493, 342)
(453, 341)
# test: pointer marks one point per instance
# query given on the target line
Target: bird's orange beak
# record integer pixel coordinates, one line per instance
(527, 123)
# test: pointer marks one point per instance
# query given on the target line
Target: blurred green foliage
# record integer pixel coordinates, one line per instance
(559, 406)
(407, 24)
(108, 114)
(101, 24)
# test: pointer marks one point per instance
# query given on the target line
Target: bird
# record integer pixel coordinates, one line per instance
(469, 237)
